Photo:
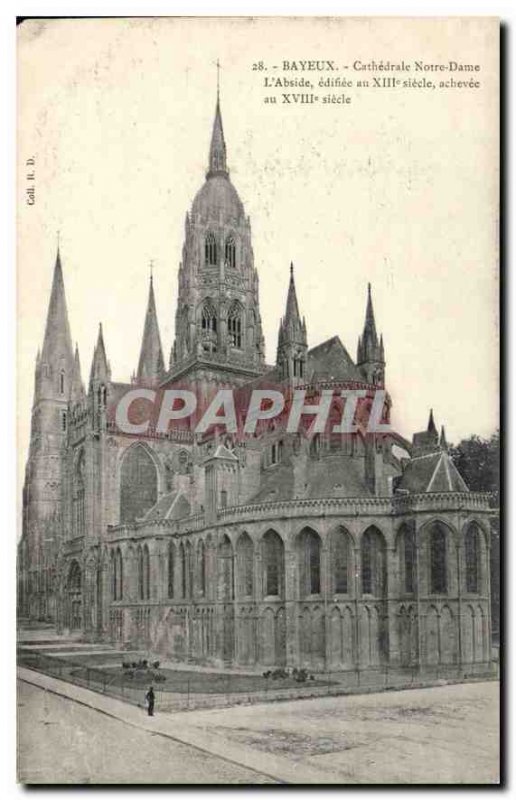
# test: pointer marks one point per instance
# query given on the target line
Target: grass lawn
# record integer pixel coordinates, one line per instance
(194, 682)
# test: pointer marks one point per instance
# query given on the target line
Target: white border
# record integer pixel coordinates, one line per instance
(506, 9)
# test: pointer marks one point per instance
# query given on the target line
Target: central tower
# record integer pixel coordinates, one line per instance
(218, 335)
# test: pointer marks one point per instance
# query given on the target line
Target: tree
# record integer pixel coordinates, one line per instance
(478, 461)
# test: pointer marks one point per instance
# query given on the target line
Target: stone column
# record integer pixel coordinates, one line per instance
(258, 592)
(291, 607)
(326, 593)
(357, 593)
(393, 586)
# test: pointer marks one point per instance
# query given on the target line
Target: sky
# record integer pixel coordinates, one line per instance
(398, 188)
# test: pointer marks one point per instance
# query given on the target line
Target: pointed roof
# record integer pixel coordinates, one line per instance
(100, 369)
(331, 361)
(57, 342)
(370, 324)
(223, 453)
(443, 444)
(292, 309)
(217, 157)
(431, 424)
(151, 365)
(76, 385)
(291, 325)
(434, 472)
(173, 505)
(369, 346)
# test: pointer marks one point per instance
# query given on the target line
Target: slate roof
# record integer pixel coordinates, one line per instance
(172, 505)
(331, 361)
(434, 472)
(329, 476)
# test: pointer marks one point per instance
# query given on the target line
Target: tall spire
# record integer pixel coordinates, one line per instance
(57, 343)
(443, 444)
(217, 160)
(370, 325)
(431, 424)
(292, 328)
(292, 344)
(76, 385)
(100, 369)
(150, 365)
(370, 350)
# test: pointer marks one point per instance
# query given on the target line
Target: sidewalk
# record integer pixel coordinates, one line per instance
(276, 767)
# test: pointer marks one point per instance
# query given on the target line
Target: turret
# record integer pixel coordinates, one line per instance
(150, 365)
(100, 380)
(218, 313)
(217, 157)
(42, 493)
(292, 343)
(370, 350)
(55, 363)
(426, 442)
(77, 393)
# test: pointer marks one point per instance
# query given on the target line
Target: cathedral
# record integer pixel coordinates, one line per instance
(324, 550)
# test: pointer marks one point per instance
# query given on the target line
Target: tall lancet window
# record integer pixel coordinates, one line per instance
(230, 252)
(235, 325)
(210, 250)
(209, 327)
(472, 559)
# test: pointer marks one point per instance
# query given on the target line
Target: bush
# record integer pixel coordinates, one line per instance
(155, 664)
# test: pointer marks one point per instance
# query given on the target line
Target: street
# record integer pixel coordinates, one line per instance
(445, 734)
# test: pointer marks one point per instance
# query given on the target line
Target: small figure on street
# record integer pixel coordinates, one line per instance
(150, 700)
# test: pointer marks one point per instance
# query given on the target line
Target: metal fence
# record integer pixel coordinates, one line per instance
(330, 683)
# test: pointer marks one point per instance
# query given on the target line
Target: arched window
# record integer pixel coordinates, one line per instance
(373, 563)
(210, 250)
(201, 560)
(315, 445)
(438, 566)
(209, 327)
(341, 561)
(309, 545)
(138, 484)
(140, 570)
(119, 575)
(273, 564)
(146, 573)
(170, 569)
(184, 571)
(235, 325)
(78, 519)
(408, 560)
(472, 545)
(226, 569)
(230, 252)
(245, 558)
(112, 564)
(62, 382)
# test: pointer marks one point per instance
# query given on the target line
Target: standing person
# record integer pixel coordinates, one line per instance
(150, 700)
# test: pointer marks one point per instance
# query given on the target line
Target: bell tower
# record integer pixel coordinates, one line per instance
(218, 335)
